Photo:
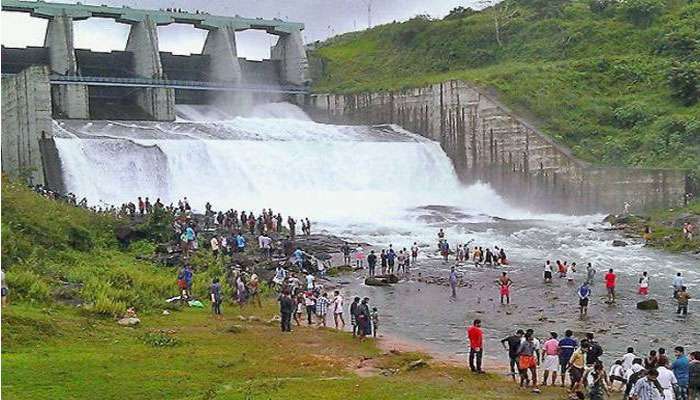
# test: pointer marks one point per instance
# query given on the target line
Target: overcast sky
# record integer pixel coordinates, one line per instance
(322, 18)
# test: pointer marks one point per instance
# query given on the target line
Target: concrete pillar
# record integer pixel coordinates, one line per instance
(159, 103)
(290, 51)
(70, 101)
(220, 46)
(59, 40)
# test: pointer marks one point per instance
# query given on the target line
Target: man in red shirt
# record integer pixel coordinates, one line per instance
(476, 346)
(610, 280)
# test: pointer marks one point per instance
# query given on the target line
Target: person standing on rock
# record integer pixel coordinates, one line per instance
(240, 243)
(610, 283)
(584, 294)
(345, 249)
(363, 319)
(476, 346)
(383, 258)
(644, 284)
(504, 282)
(414, 252)
(371, 262)
(359, 257)
(453, 282)
(337, 307)
(390, 259)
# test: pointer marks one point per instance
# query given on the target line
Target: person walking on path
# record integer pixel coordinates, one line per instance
(476, 346)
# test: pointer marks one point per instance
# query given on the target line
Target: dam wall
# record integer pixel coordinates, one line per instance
(489, 143)
(26, 118)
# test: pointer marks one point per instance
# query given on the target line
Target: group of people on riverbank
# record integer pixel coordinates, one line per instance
(653, 377)
(463, 253)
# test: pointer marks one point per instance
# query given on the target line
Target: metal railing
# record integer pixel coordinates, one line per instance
(174, 84)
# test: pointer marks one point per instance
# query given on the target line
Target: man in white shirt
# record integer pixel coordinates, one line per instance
(628, 358)
(547, 272)
(337, 307)
(666, 378)
(310, 281)
(678, 283)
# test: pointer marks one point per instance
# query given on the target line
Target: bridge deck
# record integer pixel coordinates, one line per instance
(129, 15)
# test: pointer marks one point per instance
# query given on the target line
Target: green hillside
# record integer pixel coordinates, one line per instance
(617, 81)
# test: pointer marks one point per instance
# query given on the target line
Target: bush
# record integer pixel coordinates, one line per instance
(684, 80)
(632, 114)
(105, 306)
(79, 238)
(641, 12)
(159, 339)
(27, 285)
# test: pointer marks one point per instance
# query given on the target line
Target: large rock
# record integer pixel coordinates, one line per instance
(391, 278)
(129, 321)
(420, 363)
(619, 243)
(649, 304)
(371, 281)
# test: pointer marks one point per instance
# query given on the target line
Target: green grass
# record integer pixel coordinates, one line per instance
(82, 357)
(594, 81)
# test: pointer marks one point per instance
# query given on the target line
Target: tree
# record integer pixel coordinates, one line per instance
(684, 80)
(459, 13)
(641, 12)
(502, 14)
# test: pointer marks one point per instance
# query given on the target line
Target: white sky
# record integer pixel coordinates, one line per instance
(322, 18)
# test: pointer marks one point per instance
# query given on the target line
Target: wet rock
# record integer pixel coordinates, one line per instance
(376, 282)
(650, 304)
(129, 321)
(391, 278)
(619, 243)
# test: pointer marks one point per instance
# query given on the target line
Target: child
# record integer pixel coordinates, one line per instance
(299, 310)
(374, 315)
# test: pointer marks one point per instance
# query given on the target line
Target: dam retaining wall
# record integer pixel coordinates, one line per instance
(489, 143)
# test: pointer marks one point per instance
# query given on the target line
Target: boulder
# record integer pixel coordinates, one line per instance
(420, 363)
(376, 282)
(650, 304)
(391, 278)
(619, 243)
(129, 321)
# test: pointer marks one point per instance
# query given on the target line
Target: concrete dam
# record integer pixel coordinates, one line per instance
(49, 90)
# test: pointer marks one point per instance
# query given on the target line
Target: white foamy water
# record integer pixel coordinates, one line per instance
(379, 184)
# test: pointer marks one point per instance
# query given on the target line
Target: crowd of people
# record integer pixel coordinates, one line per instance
(653, 377)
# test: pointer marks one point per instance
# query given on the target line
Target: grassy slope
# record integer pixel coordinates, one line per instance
(595, 82)
(55, 351)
